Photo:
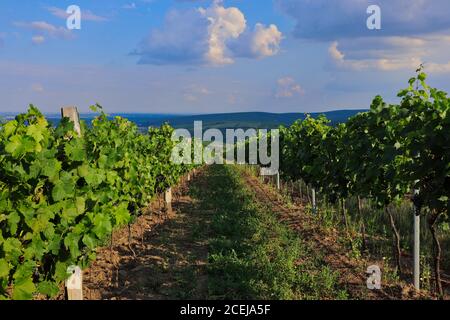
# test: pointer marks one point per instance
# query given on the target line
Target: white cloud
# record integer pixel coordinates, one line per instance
(195, 92)
(38, 40)
(266, 41)
(412, 32)
(41, 28)
(37, 87)
(433, 67)
(389, 53)
(224, 24)
(287, 87)
(213, 36)
(260, 42)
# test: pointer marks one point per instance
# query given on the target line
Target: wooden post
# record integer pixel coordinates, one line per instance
(168, 200)
(74, 116)
(74, 284)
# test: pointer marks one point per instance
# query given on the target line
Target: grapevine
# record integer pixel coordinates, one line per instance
(62, 195)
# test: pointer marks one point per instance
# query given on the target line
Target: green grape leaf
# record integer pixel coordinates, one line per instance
(13, 249)
(48, 288)
(25, 270)
(4, 268)
(36, 132)
(63, 189)
(80, 204)
(61, 271)
(13, 221)
(71, 242)
(102, 225)
(51, 168)
(23, 289)
(94, 178)
(70, 211)
(20, 145)
(9, 128)
(89, 241)
(75, 150)
(121, 214)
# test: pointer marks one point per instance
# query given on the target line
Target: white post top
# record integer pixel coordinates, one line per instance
(74, 116)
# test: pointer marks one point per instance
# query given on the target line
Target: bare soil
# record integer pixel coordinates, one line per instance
(158, 258)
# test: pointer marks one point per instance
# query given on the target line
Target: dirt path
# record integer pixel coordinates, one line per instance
(165, 259)
(167, 254)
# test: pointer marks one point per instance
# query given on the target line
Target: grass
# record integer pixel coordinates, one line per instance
(252, 255)
(379, 234)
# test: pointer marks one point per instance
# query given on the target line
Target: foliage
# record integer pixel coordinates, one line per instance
(62, 195)
(381, 154)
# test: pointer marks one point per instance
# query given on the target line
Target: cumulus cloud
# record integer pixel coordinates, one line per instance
(215, 35)
(258, 43)
(385, 64)
(287, 87)
(412, 32)
(389, 53)
(224, 24)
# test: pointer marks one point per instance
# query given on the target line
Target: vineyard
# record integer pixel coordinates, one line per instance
(386, 155)
(64, 194)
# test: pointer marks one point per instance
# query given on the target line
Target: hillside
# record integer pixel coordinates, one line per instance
(242, 120)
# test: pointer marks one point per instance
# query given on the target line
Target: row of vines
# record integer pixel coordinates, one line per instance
(62, 195)
(384, 155)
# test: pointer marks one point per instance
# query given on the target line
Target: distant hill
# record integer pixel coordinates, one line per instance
(247, 120)
(244, 120)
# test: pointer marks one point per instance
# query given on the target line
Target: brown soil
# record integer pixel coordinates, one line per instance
(162, 259)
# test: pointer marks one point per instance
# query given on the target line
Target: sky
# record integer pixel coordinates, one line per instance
(193, 56)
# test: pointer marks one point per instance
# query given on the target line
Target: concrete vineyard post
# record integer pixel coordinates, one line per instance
(416, 245)
(74, 285)
(168, 200)
(314, 204)
(74, 116)
(278, 181)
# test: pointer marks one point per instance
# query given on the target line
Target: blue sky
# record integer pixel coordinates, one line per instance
(188, 56)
